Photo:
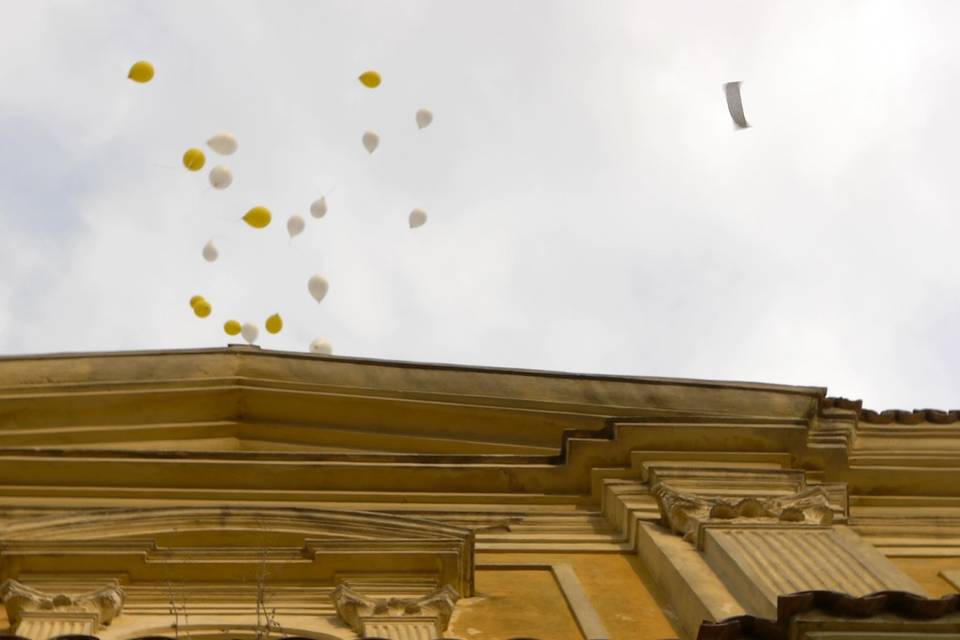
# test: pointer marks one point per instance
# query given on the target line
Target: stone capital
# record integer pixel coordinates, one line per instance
(424, 617)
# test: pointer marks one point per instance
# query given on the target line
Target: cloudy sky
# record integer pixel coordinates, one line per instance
(591, 206)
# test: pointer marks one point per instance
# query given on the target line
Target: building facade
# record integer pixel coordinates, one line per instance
(240, 493)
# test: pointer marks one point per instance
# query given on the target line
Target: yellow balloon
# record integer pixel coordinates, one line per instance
(258, 217)
(202, 309)
(195, 299)
(141, 71)
(274, 323)
(370, 79)
(193, 159)
(231, 327)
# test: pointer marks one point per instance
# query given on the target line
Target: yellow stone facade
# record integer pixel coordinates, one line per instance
(240, 493)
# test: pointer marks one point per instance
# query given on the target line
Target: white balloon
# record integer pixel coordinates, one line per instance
(210, 252)
(318, 287)
(321, 346)
(418, 218)
(319, 208)
(424, 118)
(370, 141)
(220, 177)
(295, 225)
(223, 143)
(249, 332)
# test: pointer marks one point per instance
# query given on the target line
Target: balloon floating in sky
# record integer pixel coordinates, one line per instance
(274, 323)
(220, 177)
(141, 72)
(258, 217)
(223, 143)
(321, 347)
(418, 218)
(295, 225)
(193, 159)
(424, 118)
(318, 287)
(231, 327)
(370, 79)
(210, 253)
(371, 141)
(200, 306)
(319, 208)
(735, 104)
(249, 332)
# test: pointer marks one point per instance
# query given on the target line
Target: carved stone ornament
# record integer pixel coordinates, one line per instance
(365, 614)
(19, 599)
(687, 513)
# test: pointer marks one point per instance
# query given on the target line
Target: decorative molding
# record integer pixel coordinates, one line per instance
(40, 615)
(422, 618)
(687, 513)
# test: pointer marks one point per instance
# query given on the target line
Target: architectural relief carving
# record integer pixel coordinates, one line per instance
(426, 617)
(686, 513)
(19, 598)
(39, 615)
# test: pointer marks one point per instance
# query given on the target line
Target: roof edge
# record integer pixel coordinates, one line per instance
(254, 351)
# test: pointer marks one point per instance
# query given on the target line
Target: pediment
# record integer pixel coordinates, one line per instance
(311, 545)
(230, 523)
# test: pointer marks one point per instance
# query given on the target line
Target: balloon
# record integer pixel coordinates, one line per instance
(370, 79)
(249, 332)
(220, 177)
(196, 299)
(318, 287)
(370, 141)
(202, 309)
(735, 104)
(319, 208)
(321, 346)
(231, 327)
(295, 225)
(210, 252)
(193, 159)
(258, 217)
(274, 323)
(223, 143)
(141, 72)
(418, 218)
(424, 118)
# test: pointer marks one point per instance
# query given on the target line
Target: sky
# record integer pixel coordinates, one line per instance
(591, 206)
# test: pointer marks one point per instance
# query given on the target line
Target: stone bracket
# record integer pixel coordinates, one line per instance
(39, 615)
(421, 618)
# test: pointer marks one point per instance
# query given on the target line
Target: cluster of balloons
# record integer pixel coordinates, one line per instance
(259, 217)
(201, 308)
(370, 139)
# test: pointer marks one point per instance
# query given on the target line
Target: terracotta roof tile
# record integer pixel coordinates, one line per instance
(893, 416)
(906, 605)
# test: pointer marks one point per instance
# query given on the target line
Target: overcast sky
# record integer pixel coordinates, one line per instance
(591, 207)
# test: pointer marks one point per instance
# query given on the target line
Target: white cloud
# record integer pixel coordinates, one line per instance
(590, 206)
